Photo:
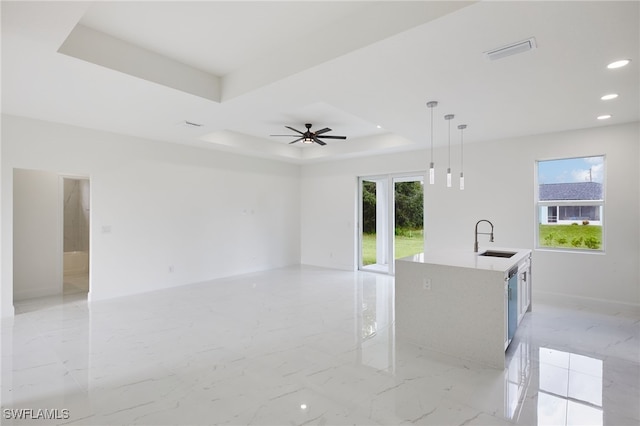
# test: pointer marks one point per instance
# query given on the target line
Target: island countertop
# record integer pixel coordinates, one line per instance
(461, 303)
(469, 259)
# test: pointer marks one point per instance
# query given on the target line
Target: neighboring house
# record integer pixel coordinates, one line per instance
(572, 203)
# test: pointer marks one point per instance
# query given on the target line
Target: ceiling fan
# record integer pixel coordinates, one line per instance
(311, 137)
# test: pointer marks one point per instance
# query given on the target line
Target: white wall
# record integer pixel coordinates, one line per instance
(500, 187)
(214, 214)
(6, 306)
(154, 205)
(37, 239)
(329, 205)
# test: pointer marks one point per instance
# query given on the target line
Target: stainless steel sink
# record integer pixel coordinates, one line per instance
(495, 253)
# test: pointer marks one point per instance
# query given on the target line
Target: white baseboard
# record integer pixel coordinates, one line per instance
(8, 312)
(36, 293)
(611, 307)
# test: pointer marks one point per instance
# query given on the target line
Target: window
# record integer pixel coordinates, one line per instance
(570, 203)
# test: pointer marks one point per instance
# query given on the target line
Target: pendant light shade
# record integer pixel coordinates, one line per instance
(462, 127)
(449, 117)
(432, 174)
(432, 171)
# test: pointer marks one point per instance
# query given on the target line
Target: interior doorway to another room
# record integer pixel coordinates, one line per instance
(51, 227)
(76, 226)
(391, 220)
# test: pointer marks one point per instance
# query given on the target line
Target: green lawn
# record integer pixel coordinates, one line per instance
(561, 236)
(406, 245)
(571, 236)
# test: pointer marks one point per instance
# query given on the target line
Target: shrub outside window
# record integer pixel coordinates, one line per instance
(570, 203)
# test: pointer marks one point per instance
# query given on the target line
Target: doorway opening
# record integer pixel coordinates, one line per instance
(391, 220)
(50, 239)
(76, 228)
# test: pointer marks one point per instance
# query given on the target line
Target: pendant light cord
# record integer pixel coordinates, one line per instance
(431, 134)
(461, 151)
(449, 144)
(449, 117)
(431, 105)
(462, 127)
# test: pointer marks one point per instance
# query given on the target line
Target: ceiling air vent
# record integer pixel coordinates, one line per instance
(191, 124)
(511, 49)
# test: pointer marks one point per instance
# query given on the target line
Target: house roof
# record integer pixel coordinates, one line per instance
(571, 191)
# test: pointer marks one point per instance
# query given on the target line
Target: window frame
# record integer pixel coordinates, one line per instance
(540, 204)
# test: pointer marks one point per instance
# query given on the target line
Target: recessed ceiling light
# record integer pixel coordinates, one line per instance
(379, 126)
(604, 117)
(609, 96)
(618, 64)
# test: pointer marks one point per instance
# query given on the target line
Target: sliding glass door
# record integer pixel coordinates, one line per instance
(374, 224)
(391, 219)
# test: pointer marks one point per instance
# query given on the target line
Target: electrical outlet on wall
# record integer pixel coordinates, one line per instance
(426, 284)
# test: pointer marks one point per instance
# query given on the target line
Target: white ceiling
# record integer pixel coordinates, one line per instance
(246, 69)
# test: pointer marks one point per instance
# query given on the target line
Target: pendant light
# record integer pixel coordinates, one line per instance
(449, 117)
(462, 127)
(432, 170)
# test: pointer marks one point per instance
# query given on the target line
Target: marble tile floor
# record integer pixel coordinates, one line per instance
(303, 346)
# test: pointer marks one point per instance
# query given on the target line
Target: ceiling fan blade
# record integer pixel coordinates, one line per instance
(290, 136)
(325, 130)
(297, 131)
(296, 141)
(333, 137)
(318, 141)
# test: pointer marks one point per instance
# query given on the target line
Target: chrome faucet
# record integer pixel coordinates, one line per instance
(475, 246)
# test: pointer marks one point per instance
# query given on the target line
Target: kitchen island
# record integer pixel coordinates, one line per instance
(463, 303)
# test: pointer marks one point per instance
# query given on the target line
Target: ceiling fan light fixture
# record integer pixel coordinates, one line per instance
(309, 137)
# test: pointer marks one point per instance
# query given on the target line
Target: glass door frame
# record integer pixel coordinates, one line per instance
(384, 181)
(389, 181)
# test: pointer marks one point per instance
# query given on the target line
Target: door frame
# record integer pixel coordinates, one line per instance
(390, 180)
(387, 245)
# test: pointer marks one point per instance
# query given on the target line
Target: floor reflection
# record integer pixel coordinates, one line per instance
(570, 389)
(566, 387)
(517, 377)
(375, 318)
(306, 345)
